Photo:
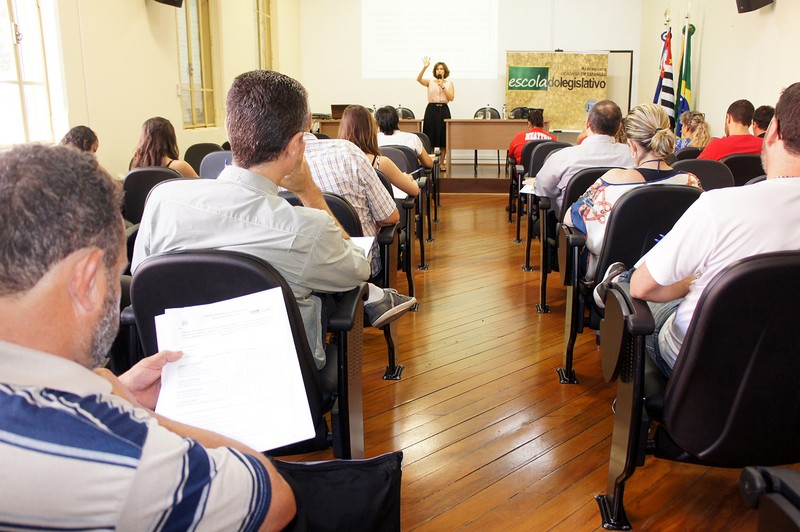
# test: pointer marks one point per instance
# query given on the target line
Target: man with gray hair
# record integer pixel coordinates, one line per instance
(82, 449)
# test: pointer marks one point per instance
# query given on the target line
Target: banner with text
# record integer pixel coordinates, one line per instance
(566, 85)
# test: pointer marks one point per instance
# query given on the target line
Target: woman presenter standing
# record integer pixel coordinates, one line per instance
(440, 93)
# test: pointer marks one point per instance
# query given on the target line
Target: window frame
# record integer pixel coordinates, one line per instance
(204, 94)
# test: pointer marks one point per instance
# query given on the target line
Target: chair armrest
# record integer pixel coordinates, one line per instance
(126, 316)
(544, 203)
(343, 316)
(422, 182)
(625, 319)
(520, 170)
(387, 234)
(570, 242)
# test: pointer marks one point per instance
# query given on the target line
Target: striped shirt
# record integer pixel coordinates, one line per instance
(75, 457)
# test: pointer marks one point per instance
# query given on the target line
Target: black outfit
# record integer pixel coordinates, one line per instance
(433, 123)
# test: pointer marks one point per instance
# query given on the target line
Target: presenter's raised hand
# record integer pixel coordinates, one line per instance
(426, 61)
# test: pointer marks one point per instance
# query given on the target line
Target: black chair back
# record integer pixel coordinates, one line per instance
(744, 166)
(687, 153)
(196, 152)
(214, 163)
(483, 111)
(137, 185)
(411, 156)
(540, 153)
(397, 156)
(733, 398)
(187, 278)
(527, 150)
(342, 210)
(322, 136)
(712, 174)
(641, 217)
(519, 113)
(426, 141)
(405, 113)
(757, 179)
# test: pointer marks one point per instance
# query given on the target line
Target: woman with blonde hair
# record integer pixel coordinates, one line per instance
(651, 141)
(695, 130)
(158, 146)
(358, 126)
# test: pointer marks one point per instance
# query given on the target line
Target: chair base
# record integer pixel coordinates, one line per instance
(518, 240)
(430, 239)
(393, 373)
(566, 376)
(542, 308)
(610, 522)
(422, 267)
(527, 268)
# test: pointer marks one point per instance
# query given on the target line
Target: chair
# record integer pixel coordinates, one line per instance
(744, 167)
(637, 222)
(347, 216)
(712, 174)
(519, 113)
(776, 493)
(486, 113)
(687, 153)
(187, 278)
(322, 136)
(757, 179)
(137, 185)
(214, 163)
(196, 152)
(732, 398)
(519, 170)
(433, 173)
(539, 154)
(405, 113)
(417, 171)
(548, 259)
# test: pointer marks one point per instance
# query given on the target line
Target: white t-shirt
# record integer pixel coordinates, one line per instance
(721, 227)
(401, 138)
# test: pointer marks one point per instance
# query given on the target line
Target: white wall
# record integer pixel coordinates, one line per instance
(330, 48)
(749, 55)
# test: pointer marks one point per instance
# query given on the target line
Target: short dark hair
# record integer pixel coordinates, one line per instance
(763, 115)
(605, 118)
(787, 116)
(535, 117)
(54, 200)
(80, 137)
(741, 112)
(265, 110)
(388, 119)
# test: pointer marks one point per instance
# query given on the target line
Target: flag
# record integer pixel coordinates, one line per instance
(665, 90)
(684, 102)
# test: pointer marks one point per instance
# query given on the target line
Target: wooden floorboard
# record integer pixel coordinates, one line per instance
(491, 439)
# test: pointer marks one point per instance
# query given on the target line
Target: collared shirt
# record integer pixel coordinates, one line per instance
(339, 166)
(558, 169)
(74, 456)
(401, 138)
(241, 211)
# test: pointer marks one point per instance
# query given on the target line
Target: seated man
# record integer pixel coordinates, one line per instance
(82, 449)
(761, 119)
(711, 235)
(340, 167)
(737, 137)
(389, 134)
(597, 149)
(241, 209)
(534, 132)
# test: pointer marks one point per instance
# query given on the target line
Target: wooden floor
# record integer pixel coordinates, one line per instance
(491, 440)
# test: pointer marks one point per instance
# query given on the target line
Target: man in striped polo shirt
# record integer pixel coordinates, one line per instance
(82, 449)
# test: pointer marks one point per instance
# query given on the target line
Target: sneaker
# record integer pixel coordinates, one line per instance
(612, 273)
(387, 309)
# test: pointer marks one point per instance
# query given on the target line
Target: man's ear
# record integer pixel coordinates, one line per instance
(84, 279)
(772, 134)
(296, 146)
(310, 121)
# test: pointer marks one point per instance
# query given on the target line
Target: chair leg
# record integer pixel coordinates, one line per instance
(627, 439)
(544, 265)
(419, 232)
(427, 200)
(349, 420)
(475, 166)
(573, 322)
(435, 191)
(529, 238)
(393, 370)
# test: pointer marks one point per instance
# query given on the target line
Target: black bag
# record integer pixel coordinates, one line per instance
(351, 495)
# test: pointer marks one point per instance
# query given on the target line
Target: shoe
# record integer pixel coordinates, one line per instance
(387, 309)
(600, 290)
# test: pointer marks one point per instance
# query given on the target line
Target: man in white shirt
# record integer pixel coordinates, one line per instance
(390, 135)
(597, 149)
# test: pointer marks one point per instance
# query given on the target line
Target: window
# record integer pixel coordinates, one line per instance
(194, 36)
(25, 112)
(263, 24)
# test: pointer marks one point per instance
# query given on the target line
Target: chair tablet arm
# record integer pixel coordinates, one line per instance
(520, 170)
(343, 316)
(387, 234)
(409, 202)
(624, 318)
(570, 242)
(638, 317)
(126, 316)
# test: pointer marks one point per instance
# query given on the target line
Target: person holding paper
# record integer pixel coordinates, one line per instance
(82, 449)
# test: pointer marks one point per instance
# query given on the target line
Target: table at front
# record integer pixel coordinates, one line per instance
(480, 134)
(331, 127)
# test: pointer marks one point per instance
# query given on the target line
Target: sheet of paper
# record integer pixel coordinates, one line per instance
(527, 189)
(239, 374)
(364, 242)
(398, 194)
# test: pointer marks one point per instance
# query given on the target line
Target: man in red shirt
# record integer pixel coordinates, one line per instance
(536, 122)
(737, 137)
